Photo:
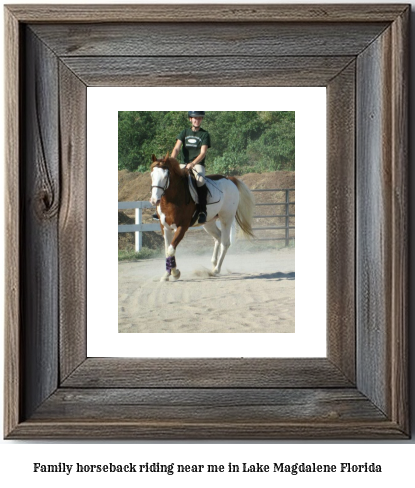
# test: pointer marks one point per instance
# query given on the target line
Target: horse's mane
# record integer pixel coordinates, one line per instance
(168, 163)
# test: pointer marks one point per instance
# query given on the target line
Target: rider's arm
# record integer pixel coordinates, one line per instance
(176, 149)
(201, 156)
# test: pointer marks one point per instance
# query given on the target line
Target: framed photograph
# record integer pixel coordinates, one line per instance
(236, 295)
(53, 388)
(257, 292)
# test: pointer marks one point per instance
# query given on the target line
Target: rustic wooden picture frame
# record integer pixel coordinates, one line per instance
(359, 52)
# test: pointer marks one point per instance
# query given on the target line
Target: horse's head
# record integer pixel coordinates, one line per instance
(162, 171)
(160, 178)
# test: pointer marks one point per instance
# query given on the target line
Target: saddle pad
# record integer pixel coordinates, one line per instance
(214, 194)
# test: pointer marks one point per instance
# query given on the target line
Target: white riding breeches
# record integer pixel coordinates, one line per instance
(199, 171)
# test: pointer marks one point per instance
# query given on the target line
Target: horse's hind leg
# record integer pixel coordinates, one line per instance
(225, 242)
(212, 229)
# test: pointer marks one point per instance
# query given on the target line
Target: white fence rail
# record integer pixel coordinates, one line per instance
(138, 228)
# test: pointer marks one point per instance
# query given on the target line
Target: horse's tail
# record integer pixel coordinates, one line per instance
(245, 210)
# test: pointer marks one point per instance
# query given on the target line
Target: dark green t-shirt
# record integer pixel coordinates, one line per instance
(192, 144)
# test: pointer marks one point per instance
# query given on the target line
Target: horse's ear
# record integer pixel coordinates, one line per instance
(153, 158)
(167, 156)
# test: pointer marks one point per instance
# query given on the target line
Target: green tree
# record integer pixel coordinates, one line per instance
(242, 142)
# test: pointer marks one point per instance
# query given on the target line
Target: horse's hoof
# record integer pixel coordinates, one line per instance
(165, 277)
(175, 274)
(215, 272)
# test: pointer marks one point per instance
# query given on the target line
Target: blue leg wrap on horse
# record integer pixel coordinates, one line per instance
(170, 263)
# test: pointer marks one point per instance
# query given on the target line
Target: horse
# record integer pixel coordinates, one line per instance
(170, 193)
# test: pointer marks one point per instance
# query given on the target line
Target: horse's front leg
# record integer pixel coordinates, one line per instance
(168, 237)
(171, 267)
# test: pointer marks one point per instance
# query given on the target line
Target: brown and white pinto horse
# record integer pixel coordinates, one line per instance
(170, 194)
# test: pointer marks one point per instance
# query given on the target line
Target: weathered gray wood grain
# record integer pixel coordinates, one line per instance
(72, 221)
(341, 236)
(206, 13)
(382, 223)
(13, 383)
(209, 414)
(209, 39)
(213, 431)
(206, 373)
(209, 405)
(400, 232)
(207, 71)
(39, 214)
(175, 399)
(373, 223)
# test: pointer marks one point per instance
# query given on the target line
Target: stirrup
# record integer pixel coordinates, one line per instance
(202, 218)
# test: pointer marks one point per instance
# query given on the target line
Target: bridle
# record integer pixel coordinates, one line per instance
(164, 188)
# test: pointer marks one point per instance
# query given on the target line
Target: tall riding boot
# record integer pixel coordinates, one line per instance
(202, 194)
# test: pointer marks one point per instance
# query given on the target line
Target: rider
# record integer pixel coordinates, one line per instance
(195, 142)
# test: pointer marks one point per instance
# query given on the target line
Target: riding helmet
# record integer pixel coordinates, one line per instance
(196, 114)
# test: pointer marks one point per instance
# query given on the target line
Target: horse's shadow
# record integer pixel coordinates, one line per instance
(277, 276)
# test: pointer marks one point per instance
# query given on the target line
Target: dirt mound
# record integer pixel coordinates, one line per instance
(133, 187)
(276, 179)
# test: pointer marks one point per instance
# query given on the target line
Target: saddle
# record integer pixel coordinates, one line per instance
(213, 195)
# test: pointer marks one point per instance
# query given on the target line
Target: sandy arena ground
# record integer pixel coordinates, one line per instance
(255, 292)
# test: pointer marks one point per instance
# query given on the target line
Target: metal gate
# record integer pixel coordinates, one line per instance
(286, 230)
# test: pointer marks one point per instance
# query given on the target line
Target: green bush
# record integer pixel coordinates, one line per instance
(242, 142)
